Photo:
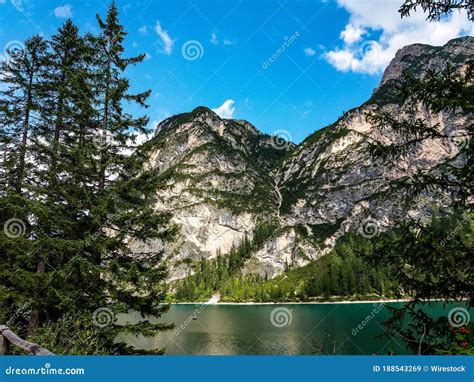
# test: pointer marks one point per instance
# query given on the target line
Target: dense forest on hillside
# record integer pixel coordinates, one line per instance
(342, 274)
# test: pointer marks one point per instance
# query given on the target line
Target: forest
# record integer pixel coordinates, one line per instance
(342, 274)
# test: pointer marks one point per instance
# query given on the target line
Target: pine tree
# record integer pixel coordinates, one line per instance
(422, 264)
(19, 103)
(92, 200)
(62, 93)
(112, 90)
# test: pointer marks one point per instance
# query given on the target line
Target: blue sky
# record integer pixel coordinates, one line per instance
(328, 55)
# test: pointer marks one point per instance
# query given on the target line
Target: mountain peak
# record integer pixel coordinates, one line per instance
(418, 58)
(202, 110)
(198, 113)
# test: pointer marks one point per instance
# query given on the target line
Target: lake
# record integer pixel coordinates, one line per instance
(291, 329)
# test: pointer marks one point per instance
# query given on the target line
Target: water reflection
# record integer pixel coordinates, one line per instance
(248, 329)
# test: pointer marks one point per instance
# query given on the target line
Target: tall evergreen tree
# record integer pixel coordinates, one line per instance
(112, 90)
(91, 200)
(431, 260)
(19, 103)
(62, 92)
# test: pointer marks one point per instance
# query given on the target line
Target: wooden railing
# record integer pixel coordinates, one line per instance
(7, 338)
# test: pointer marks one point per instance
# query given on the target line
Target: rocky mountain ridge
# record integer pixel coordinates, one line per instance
(216, 182)
(222, 178)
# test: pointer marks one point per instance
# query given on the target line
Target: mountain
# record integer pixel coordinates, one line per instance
(223, 179)
(216, 182)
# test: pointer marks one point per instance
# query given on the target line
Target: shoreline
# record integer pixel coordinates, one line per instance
(384, 301)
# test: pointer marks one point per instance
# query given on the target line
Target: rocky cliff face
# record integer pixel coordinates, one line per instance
(222, 178)
(418, 58)
(216, 182)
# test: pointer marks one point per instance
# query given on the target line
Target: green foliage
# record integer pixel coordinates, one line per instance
(429, 261)
(76, 334)
(340, 274)
(214, 275)
(76, 187)
(462, 341)
(436, 9)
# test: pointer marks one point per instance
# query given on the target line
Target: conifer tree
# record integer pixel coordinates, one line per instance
(112, 90)
(90, 202)
(62, 92)
(19, 102)
(434, 259)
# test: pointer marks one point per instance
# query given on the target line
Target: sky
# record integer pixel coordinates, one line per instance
(291, 66)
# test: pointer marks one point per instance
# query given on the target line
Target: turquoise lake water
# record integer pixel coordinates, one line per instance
(291, 329)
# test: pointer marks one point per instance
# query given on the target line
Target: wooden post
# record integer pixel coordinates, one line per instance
(4, 343)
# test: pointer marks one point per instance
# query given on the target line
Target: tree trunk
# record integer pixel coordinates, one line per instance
(35, 313)
(105, 123)
(24, 141)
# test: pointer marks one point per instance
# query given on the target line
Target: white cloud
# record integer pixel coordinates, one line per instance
(143, 29)
(142, 138)
(63, 12)
(310, 52)
(361, 52)
(226, 110)
(215, 40)
(165, 38)
(352, 34)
